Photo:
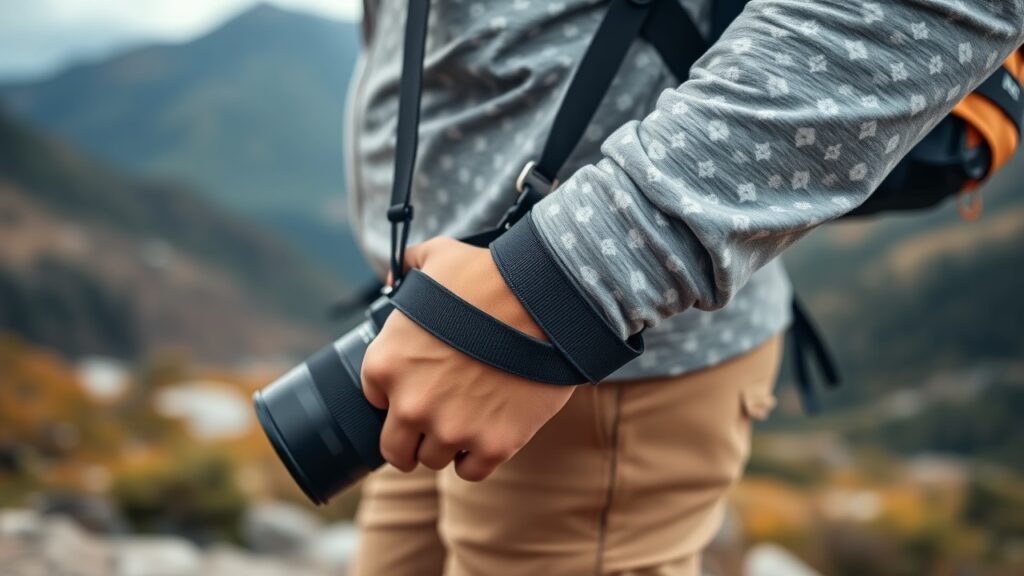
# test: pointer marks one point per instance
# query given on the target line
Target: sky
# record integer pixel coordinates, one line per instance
(38, 37)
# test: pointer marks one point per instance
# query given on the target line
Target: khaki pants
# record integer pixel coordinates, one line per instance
(628, 479)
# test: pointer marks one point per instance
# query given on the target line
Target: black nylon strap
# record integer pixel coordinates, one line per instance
(723, 12)
(663, 23)
(410, 89)
(578, 331)
(1005, 91)
(807, 343)
(473, 332)
(594, 74)
(674, 35)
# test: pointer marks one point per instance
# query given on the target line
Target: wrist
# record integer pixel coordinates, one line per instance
(548, 294)
(501, 302)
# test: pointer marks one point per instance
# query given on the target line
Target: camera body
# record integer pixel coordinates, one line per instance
(318, 420)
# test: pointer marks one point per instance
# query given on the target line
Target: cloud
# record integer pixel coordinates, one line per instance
(38, 36)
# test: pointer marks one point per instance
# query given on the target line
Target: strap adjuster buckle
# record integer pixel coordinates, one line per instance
(530, 177)
(400, 213)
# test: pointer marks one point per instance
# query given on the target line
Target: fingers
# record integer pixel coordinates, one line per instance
(375, 374)
(416, 256)
(435, 453)
(398, 444)
(476, 465)
(473, 468)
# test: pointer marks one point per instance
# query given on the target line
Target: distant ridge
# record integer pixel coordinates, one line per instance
(251, 113)
(94, 262)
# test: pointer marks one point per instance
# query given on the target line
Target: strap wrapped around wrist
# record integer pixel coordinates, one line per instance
(473, 332)
(579, 332)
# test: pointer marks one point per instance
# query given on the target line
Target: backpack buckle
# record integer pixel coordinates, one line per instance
(529, 177)
(969, 203)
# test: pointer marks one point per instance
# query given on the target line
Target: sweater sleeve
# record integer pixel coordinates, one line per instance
(792, 119)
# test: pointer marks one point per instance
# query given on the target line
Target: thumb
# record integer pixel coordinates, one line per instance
(415, 256)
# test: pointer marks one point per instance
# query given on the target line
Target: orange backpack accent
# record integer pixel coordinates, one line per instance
(987, 122)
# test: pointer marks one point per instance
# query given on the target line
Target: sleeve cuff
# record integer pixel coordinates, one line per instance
(574, 327)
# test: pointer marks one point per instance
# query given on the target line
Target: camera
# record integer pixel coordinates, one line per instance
(318, 420)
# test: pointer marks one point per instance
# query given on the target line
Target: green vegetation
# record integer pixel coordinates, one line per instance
(190, 493)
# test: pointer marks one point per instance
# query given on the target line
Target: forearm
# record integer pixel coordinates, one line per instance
(791, 120)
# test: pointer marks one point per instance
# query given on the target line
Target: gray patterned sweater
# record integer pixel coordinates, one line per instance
(681, 196)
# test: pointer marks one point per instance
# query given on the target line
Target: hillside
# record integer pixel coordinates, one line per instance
(904, 300)
(250, 113)
(95, 262)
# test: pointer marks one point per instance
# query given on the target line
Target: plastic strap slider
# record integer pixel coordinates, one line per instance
(400, 213)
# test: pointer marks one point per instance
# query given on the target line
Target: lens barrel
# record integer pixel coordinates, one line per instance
(317, 418)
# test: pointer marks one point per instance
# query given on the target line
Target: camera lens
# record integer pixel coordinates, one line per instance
(317, 419)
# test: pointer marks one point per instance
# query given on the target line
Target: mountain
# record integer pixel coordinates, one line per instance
(251, 113)
(95, 262)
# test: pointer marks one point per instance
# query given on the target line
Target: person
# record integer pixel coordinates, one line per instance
(669, 220)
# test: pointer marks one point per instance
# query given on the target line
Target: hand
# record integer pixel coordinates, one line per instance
(442, 404)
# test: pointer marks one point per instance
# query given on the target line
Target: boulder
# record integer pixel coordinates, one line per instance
(279, 528)
(224, 560)
(334, 547)
(157, 556)
(773, 560)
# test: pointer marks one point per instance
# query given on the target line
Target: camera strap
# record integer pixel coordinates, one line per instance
(410, 90)
(583, 347)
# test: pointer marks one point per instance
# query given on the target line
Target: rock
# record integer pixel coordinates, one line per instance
(228, 561)
(21, 524)
(69, 549)
(97, 515)
(33, 544)
(334, 547)
(772, 560)
(157, 556)
(279, 528)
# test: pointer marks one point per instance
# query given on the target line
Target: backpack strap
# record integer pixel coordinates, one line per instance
(723, 12)
(663, 23)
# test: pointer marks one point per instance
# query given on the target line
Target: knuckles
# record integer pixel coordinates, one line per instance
(477, 472)
(434, 465)
(450, 438)
(494, 453)
(409, 414)
(376, 370)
